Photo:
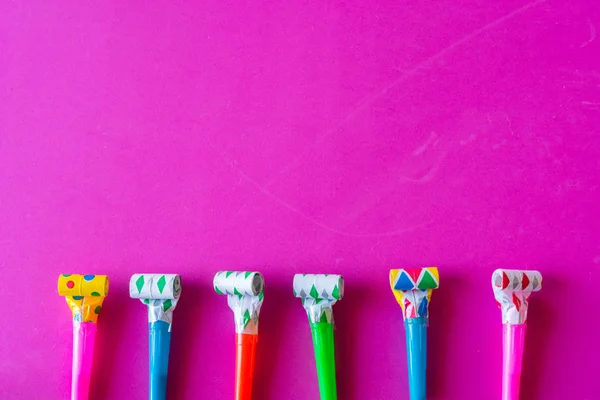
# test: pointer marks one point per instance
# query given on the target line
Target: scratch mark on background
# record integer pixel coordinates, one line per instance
(370, 99)
(496, 146)
(592, 35)
(468, 140)
(425, 178)
(425, 63)
(591, 105)
(425, 145)
(233, 165)
(509, 125)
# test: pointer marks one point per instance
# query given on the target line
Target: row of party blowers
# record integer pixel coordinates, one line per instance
(412, 288)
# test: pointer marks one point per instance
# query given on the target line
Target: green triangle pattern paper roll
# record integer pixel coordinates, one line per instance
(319, 292)
(245, 295)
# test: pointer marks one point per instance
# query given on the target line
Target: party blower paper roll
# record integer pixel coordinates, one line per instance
(245, 294)
(412, 288)
(84, 295)
(160, 292)
(319, 293)
(512, 289)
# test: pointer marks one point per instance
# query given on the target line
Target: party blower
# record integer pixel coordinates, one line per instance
(84, 295)
(160, 292)
(319, 293)
(512, 289)
(412, 288)
(245, 294)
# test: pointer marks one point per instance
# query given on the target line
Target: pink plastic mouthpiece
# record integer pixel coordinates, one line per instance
(84, 336)
(513, 340)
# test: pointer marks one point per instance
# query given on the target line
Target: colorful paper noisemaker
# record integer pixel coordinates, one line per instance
(319, 292)
(412, 288)
(84, 295)
(160, 292)
(512, 289)
(245, 294)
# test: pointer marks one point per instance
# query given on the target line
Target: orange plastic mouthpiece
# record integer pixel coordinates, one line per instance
(245, 355)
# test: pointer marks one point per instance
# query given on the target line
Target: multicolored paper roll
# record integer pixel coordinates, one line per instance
(245, 295)
(412, 289)
(84, 295)
(512, 289)
(319, 292)
(160, 292)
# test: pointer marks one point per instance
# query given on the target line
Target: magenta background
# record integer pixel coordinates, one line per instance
(288, 137)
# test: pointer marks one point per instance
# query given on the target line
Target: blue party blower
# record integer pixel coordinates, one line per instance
(412, 288)
(160, 292)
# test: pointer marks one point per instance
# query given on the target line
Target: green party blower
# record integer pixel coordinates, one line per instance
(319, 293)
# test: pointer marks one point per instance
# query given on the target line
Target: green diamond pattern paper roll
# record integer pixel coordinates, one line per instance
(160, 292)
(245, 294)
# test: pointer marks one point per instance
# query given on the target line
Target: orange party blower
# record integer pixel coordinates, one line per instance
(245, 293)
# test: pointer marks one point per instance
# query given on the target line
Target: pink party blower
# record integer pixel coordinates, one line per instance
(512, 289)
(84, 295)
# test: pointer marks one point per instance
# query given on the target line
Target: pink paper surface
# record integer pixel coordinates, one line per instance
(285, 137)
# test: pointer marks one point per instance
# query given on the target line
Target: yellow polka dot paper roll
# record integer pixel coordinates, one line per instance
(84, 295)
